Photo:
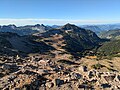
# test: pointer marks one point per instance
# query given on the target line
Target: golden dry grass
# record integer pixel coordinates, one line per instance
(109, 64)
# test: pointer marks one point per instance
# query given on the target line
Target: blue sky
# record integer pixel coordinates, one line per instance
(50, 12)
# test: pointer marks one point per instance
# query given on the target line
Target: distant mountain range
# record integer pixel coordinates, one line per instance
(31, 29)
(111, 34)
(100, 28)
(24, 30)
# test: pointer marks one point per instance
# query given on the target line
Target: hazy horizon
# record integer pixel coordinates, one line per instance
(22, 22)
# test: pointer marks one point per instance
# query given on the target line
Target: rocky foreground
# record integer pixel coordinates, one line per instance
(43, 72)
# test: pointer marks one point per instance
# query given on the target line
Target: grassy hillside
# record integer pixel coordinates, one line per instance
(110, 48)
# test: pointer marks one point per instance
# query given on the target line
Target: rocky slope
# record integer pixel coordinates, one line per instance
(58, 71)
(77, 39)
(11, 43)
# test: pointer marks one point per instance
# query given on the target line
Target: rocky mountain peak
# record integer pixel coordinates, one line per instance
(37, 25)
(69, 26)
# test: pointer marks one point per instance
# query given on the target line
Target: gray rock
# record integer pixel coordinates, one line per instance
(83, 68)
(106, 85)
(59, 82)
(118, 77)
(75, 75)
(5, 66)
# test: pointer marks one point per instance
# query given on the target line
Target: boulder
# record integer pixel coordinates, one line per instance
(106, 85)
(109, 78)
(58, 82)
(83, 68)
(91, 74)
(75, 75)
(118, 77)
